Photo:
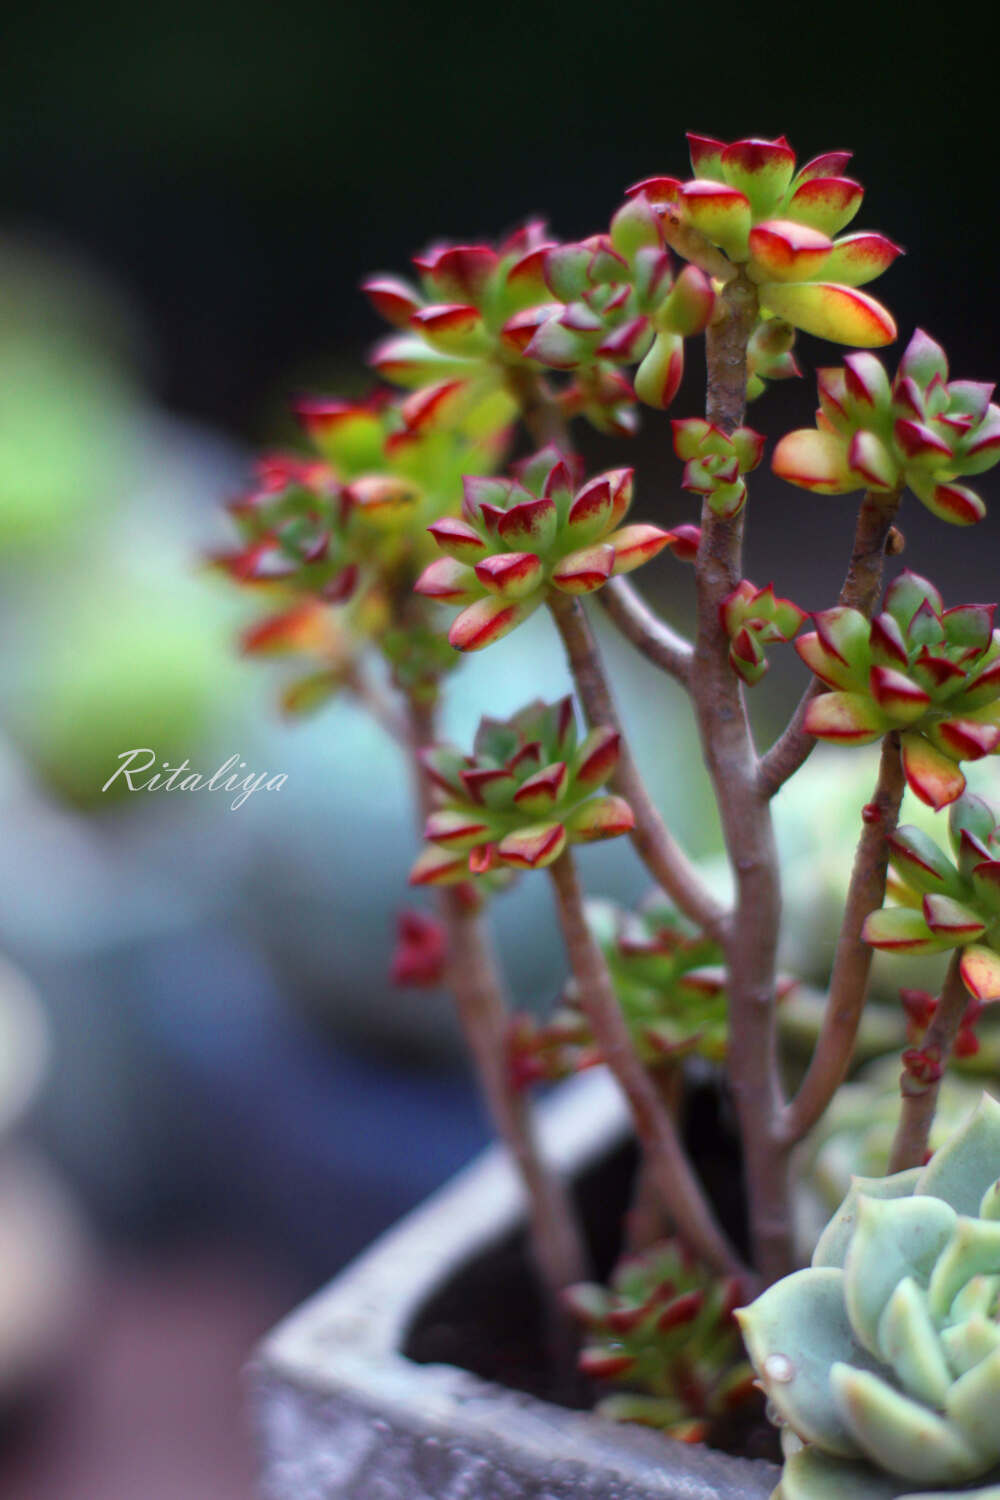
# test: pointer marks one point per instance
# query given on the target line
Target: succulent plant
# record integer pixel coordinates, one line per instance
(784, 226)
(469, 324)
(668, 979)
(526, 792)
(620, 301)
(931, 673)
(921, 431)
(664, 1329)
(755, 618)
(715, 461)
(518, 538)
(947, 902)
(883, 1357)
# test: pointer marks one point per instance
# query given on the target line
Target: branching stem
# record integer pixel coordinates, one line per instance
(676, 1182)
(731, 758)
(473, 976)
(647, 632)
(920, 1097)
(656, 846)
(834, 1049)
(860, 590)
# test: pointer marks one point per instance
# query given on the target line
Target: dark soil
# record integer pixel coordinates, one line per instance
(489, 1318)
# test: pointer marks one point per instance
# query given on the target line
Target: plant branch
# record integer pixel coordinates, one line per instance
(556, 1240)
(647, 632)
(379, 704)
(912, 1142)
(849, 981)
(656, 846)
(540, 412)
(693, 246)
(728, 749)
(861, 588)
(678, 1186)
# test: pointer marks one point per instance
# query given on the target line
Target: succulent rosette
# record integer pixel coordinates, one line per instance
(335, 541)
(931, 673)
(671, 984)
(664, 1329)
(753, 619)
(517, 539)
(715, 461)
(619, 300)
(921, 431)
(883, 1357)
(528, 790)
(466, 327)
(380, 473)
(747, 199)
(947, 902)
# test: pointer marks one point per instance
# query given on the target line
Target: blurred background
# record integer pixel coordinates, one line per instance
(210, 1095)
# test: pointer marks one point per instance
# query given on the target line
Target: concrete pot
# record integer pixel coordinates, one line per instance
(343, 1414)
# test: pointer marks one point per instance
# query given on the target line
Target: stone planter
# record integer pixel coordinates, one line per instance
(343, 1414)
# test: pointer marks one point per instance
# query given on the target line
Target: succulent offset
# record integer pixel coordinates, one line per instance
(945, 902)
(527, 791)
(755, 618)
(715, 461)
(664, 1330)
(883, 1358)
(931, 673)
(921, 431)
(518, 538)
(784, 226)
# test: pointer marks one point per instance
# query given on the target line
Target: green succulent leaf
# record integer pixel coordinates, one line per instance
(893, 1239)
(795, 1333)
(962, 1170)
(899, 1434)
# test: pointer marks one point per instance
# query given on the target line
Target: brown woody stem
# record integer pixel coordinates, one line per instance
(647, 632)
(852, 964)
(912, 1142)
(656, 846)
(679, 1188)
(731, 758)
(556, 1241)
(860, 590)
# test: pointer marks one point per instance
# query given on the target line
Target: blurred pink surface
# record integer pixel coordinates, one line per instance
(152, 1407)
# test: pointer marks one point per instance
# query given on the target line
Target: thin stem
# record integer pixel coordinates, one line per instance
(912, 1142)
(647, 632)
(852, 964)
(540, 412)
(693, 246)
(380, 705)
(861, 588)
(556, 1240)
(731, 758)
(656, 846)
(679, 1188)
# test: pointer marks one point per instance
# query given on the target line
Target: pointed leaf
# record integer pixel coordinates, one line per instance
(845, 718)
(831, 311)
(930, 775)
